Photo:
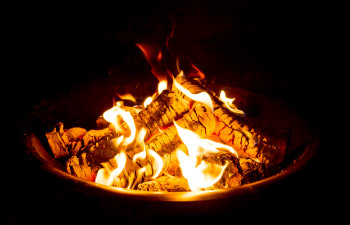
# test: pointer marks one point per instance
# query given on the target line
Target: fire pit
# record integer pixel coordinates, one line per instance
(188, 145)
(275, 118)
(113, 201)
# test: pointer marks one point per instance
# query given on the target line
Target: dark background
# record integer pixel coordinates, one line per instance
(268, 47)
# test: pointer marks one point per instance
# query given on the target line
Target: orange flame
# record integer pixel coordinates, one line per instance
(154, 57)
(199, 173)
(196, 73)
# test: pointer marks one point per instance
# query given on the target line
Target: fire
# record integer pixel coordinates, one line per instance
(202, 97)
(127, 96)
(182, 138)
(147, 101)
(118, 117)
(179, 139)
(229, 103)
(106, 175)
(162, 85)
(199, 173)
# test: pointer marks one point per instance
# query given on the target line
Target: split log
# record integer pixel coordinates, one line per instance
(161, 112)
(68, 142)
(80, 169)
(232, 128)
(99, 151)
(199, 119)
(165, 184)
(64, 142)
(141, 170)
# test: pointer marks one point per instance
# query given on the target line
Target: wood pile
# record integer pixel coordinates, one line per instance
(86, 152)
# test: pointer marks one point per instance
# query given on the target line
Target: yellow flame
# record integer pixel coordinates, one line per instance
(140, 141)
(229, 103)
(200, 174)
(115, 116)
(157, 164)
(105, 176)
(147, 101)
(162, 85)
(202, 97)
(127, 96)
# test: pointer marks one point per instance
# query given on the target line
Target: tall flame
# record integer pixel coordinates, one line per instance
(116, 116)
(199, 173)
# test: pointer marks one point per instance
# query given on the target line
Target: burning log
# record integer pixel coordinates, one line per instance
(199, 119)
(186, 139)
(161, 112)
(232, 127)
(165, 184)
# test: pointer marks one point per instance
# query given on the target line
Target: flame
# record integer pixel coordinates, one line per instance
(199, 173)
(127, 96)
(153, 157)
(229, 103)
(196, 162)
(147, 101)
(106, 176)
(202, 97)
(140, 141)
(116, 116)
(154, 56)
(157, 163)
(197, 72)
(162, 85)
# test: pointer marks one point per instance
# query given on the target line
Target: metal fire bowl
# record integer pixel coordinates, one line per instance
(302, 147)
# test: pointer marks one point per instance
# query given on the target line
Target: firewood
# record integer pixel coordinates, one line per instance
(252, 170)
(64, 142)
(165, 184)
(165, 108)
(199, 119)
(100, 149)
(232, 176)
(89, 151)
(142, 170)
(81, 169)
(232, 128)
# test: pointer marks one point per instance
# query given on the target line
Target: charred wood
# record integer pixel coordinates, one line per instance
(232, 128)
(165, 184)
